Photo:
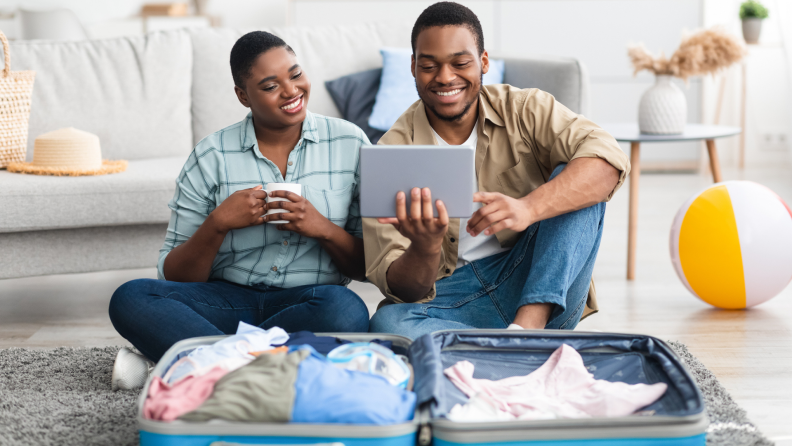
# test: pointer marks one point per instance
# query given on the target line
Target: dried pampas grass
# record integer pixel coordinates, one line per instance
(701, 53)
(642, 59)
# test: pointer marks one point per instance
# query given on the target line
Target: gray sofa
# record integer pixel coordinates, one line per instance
(150, 99)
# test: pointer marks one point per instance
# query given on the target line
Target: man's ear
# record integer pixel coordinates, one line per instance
(484, 62)
(412, 65)
(242, 96)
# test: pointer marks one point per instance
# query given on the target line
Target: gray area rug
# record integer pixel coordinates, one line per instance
(62, 397)
(729, 424)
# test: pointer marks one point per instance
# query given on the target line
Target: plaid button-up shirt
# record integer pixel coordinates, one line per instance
(324, 162)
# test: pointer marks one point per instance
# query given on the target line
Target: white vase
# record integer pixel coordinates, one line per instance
(663, 108)
(751, 29)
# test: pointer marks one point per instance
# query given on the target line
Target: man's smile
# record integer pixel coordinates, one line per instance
(449, 96)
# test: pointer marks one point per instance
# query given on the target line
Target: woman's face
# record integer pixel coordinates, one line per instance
(276, 90)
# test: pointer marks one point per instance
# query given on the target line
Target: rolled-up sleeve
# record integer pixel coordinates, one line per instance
(383, 244)
(189, 206)
(561, 135)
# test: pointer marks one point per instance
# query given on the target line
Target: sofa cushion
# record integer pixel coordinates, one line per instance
(138, 195)
(325, 52)
(564, 78)
(354, 97)
(133, 92)
(80, 250)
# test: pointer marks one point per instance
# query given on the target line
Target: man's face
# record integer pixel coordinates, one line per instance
(448, 70)
(276, 90)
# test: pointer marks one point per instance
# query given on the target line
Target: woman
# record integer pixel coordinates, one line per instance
(221, 263)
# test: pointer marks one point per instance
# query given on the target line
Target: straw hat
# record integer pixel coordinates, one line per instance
(68, 152)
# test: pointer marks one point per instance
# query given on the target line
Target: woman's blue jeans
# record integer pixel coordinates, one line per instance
(551, 263)
(155, 314)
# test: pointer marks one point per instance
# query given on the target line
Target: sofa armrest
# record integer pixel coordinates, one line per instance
(564, 78)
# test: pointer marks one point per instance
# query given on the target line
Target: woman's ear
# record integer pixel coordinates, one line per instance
(242, 96)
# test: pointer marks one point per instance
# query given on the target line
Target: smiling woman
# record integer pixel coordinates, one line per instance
(219, 264)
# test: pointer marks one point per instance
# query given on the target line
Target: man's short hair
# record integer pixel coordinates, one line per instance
(247, 49)
(449, 14)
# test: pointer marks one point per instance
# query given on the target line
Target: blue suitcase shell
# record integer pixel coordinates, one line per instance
(225, 433)
(677, 419)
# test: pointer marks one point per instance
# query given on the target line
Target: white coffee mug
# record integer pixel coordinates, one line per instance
(272, 187)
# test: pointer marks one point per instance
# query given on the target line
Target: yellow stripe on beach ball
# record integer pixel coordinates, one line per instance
(709, 250)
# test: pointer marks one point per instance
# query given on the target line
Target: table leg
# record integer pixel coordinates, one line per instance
(632, 227)
(742, 113)
(714, 164)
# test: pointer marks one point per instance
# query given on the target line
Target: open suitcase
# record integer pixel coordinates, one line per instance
(226, 433)
(677, 419)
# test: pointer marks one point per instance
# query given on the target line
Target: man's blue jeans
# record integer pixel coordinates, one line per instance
(551, 263)
(155, 314)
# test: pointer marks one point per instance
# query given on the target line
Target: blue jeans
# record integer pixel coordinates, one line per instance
(552, 262)
(155, 314)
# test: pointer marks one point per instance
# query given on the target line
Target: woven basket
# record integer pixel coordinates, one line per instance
(16, 88)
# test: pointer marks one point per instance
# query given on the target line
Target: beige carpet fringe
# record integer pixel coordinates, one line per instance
(108, 167)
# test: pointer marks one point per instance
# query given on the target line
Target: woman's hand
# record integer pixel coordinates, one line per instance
(303, 218)
(241, 209)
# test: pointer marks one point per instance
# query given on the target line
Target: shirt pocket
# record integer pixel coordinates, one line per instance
(332, 203)
(512, 180)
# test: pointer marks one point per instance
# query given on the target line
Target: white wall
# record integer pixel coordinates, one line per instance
(594, 31)
(110, 18)
(768, 115)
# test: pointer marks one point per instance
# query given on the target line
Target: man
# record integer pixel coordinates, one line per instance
(525, 258)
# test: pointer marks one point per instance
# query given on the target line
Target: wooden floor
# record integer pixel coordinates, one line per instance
(749, 351)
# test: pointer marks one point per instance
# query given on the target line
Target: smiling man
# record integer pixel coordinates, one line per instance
(525, 258)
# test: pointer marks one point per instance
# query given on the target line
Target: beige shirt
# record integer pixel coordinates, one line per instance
(522, 136)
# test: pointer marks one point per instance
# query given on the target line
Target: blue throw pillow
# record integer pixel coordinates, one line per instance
(397, 86)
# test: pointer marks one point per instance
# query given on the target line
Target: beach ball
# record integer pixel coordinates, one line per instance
(731, 244)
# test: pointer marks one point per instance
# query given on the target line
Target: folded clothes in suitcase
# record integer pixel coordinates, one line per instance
(220, 432)
(677, 418)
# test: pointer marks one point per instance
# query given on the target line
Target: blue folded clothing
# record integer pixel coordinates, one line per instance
(327, 394)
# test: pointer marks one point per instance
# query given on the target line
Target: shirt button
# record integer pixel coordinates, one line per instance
(448, 270)
(285, 242)
(290, 163)
(453, 240)
(274, 268)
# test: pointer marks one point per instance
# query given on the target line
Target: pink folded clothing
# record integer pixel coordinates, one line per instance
(167, 402)
(560, 388)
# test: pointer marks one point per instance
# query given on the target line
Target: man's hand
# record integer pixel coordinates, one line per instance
(303, 218)
(499, 212)
(424, 230)
(241, 209)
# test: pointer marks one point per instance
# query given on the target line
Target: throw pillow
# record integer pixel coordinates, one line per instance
(354, 96)
(397, 86)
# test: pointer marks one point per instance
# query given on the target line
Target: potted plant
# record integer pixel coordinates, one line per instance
(752, 13)
(663, 108)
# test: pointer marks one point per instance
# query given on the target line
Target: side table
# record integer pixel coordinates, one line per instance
(628, 132)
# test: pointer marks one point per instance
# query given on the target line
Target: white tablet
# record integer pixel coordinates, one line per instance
(449, 171)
